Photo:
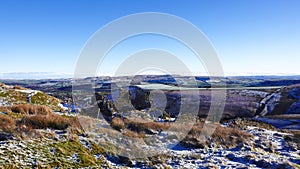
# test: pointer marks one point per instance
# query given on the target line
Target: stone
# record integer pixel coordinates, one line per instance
(5, 136)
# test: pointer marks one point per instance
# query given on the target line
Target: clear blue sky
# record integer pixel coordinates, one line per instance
(250, 36)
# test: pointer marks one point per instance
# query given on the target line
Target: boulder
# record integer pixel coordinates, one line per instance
(5, 136)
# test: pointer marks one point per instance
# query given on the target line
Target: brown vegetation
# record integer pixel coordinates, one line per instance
(19, 88)
(229, 137)
(117, 123)
(30, 109)
(242, 123)
(52, 121)
(5, 109)
(140, 126)
(225, 136)
(2, 85)
(133, 134)
(7, 124)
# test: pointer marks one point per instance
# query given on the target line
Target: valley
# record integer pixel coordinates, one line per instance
(150, 122)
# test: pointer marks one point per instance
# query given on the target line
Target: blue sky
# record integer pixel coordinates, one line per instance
(250, 36)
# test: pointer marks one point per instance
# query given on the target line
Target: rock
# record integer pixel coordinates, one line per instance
(5, 136)
(139, 98)
(285, 165)
(125, 160)
(288, 138)
(294, 108)
(192, 143)
(151, 131)
(231, 157)
(277, 135)
(263, 163)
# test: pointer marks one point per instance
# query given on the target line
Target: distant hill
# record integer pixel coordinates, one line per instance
(34, 75)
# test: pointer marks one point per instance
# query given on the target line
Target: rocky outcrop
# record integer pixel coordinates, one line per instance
(268, 104)
(239, 103)
(137, 99)
(294, 108)
(295, 95)
(5, 136)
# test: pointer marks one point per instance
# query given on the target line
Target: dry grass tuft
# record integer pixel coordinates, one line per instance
(225, 136)
(133, 134)
(5, 109)
(19, 88)
(52, 121)
(7, 124)
(117, 123)
(30, 109)
(3, 85)
(229, 137)
(141, 126)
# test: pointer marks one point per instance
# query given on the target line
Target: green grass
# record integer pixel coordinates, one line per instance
(63, 151)
(69, 148)
(44, 99)
(13, 96)
(16, 97)
(3, 94)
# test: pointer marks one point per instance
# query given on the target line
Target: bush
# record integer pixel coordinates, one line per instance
(7, 124)
(30, 109)
(52, 121)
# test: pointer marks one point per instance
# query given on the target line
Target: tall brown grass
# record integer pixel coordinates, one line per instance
(7, 124)
(30, 109)
(2, 85)
(19, 88)
(117, 123)
(229, 136)
(51, 121)
(133, 134)
(5, 109)
(140, 126)
(225, 136)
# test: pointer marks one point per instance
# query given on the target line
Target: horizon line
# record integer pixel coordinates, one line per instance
(54, 75)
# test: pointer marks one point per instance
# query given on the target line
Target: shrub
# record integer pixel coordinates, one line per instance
(117, 123)
(30, 109)
(52, 121)
(7, 124)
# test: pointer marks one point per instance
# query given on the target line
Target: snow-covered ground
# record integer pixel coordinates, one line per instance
(267, 149)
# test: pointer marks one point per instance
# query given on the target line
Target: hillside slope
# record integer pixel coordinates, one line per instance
(15, 95)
